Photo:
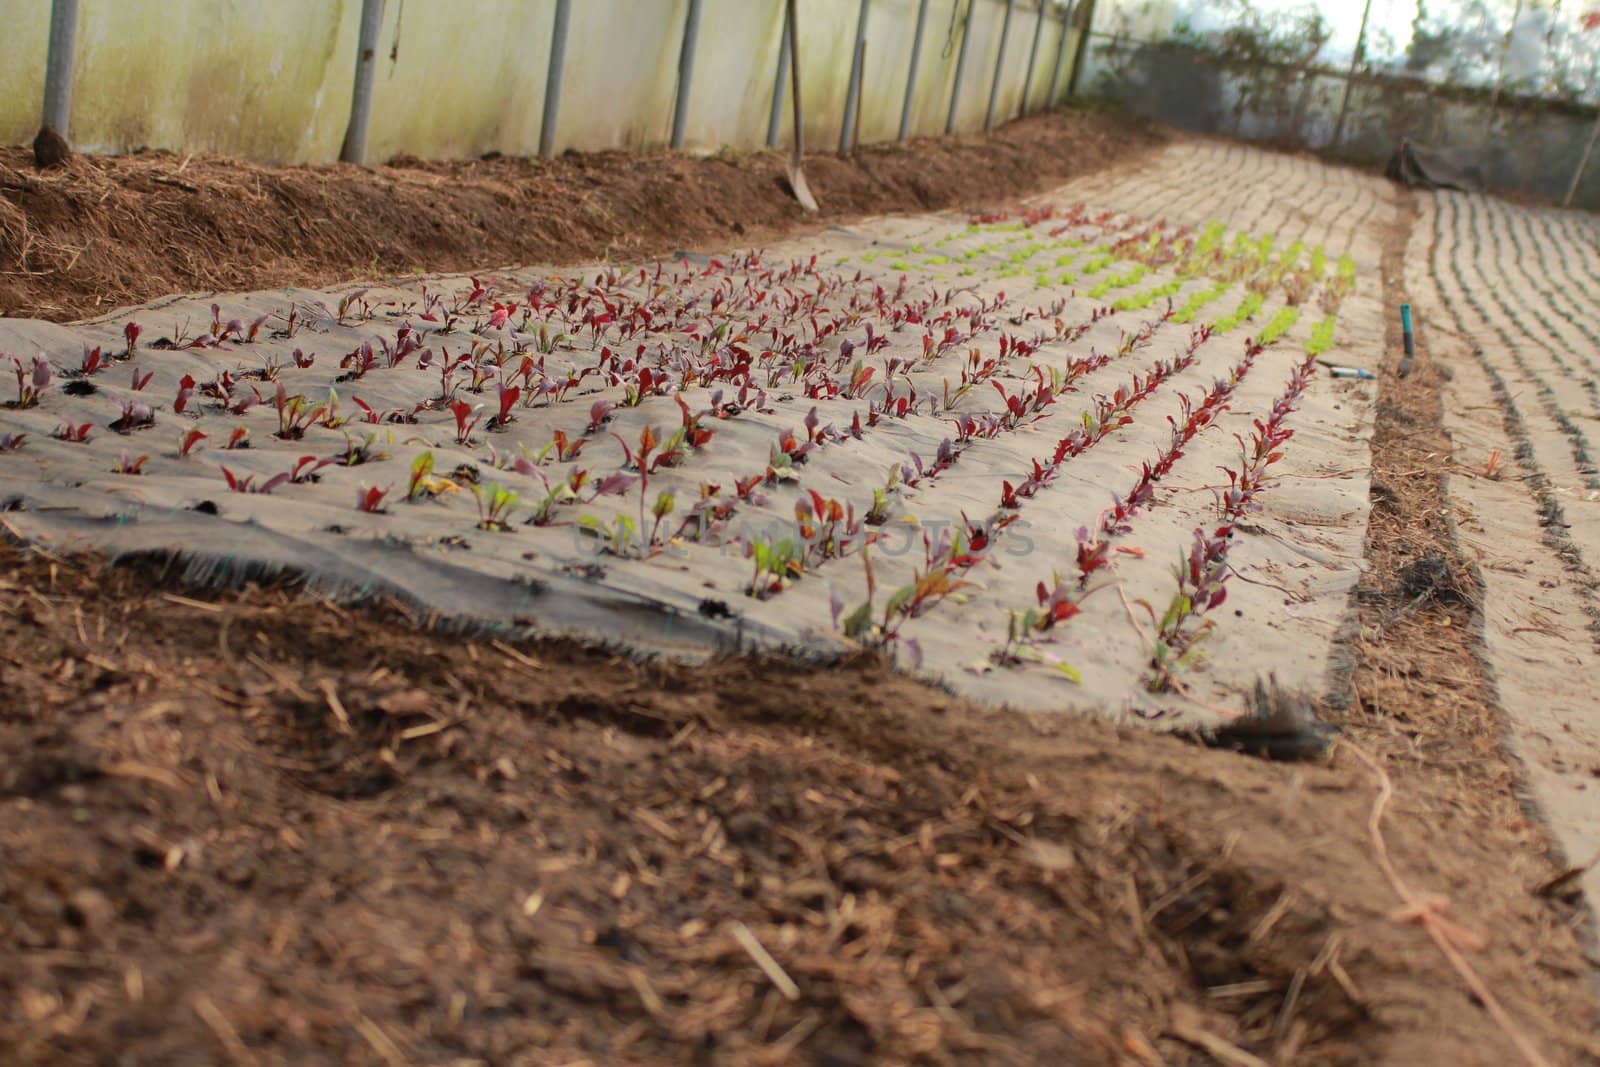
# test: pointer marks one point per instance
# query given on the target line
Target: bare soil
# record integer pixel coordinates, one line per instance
(250, 826)
(107, 232)
(256, 827)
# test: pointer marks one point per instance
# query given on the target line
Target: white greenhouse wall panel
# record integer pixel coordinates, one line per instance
(449, 85)
(270, 80)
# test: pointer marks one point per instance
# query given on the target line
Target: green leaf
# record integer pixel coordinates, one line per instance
(859, 621)
(1175, 612)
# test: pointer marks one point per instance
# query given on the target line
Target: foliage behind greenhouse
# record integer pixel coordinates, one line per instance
(1507, 88)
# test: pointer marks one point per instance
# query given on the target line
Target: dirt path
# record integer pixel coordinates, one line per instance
(372, 843)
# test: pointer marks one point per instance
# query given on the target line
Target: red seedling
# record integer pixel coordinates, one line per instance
(359, 361)
(640, 460)
(239, 438)
(707, 514)
(1201, 578)
(694, 434)
(187, 442)
(244, 404)
(130, 334)
(926, 589)
(613, 485)
(860, 379)
(32, 381)
(599, 415)
(129, 465)
(185, 391)
(745, 489)
(305, 469)
(354, 300)
(406, 341)
(368, 414)
(467, 416)
(1092, 555)
(10, 442)
(566, 448)
(77, 434)
(295, 414)
(791, 449)
(220, 332)
(135, 416)
(247, 483)
(509, 395)
(93, 361)
(673, 450)
(649, 383)
(1055, 605)
(141, 380)
(370, 500)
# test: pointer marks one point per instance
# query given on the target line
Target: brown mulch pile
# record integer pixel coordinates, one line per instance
(250, 827)
(108, 232)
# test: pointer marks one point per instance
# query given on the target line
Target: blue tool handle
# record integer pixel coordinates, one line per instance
(1410, 340)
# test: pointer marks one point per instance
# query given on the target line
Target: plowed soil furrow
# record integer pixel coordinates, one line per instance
(1527, 524)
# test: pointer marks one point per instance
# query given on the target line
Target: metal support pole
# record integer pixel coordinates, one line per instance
(852, 97)
(1550, 32)
(1085, 15)
(552, 79)
(1033, 59)
(911, 74)
(680, 110)
(855, 132)
(1500, 66)
(999, 67)
(961, 67)
(355, 135)
(58, 65)
(794, 87)
(1583, 164)
(1061, 53)
(1350, 79)
(775, 119)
